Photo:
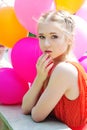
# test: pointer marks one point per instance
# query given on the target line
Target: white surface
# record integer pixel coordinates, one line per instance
(18, 121)
(5, 63)
(4, 3)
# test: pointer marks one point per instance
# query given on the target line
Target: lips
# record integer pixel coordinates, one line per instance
(48, 51)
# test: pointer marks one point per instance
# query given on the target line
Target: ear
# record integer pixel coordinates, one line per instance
(69, 40)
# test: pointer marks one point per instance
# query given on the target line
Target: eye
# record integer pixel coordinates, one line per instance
(54, 37)
(41, 37)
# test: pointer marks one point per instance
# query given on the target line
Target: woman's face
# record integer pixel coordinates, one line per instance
(2, 50)
(52, 39)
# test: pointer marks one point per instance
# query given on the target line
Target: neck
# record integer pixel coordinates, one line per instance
(65, 57)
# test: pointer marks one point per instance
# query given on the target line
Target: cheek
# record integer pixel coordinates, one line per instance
(61, 46)
(41, 46)
(2, 51)
(62, 43)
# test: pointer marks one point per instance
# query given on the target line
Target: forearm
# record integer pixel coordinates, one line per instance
(31, 97)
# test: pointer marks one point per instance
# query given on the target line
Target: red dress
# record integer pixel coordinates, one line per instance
(74, 112)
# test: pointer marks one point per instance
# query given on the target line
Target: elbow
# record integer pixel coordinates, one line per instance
(37, 117)
(24, 110)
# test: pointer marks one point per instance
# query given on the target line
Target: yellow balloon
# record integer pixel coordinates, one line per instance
(69, 5)
(10, 29)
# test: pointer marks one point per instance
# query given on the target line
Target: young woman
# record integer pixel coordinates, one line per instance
(60, 86)
(2, 51)
(3, 61)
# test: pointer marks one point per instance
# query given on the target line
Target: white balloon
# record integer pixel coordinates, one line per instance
(80, 46)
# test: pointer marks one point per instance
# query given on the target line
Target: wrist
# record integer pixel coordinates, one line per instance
(39, 79)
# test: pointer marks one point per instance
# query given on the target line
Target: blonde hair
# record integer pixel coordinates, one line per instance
(65, 22)
(63, 18)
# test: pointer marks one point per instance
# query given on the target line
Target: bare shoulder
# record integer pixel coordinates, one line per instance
(65, 68)
(66, 75)
(65, 72)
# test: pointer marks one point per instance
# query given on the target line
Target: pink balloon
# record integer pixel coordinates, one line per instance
(80, 46)
(24, 56)
(83, 62)
(28, 11)
(82, 12)
(53, 6)
(12, 87)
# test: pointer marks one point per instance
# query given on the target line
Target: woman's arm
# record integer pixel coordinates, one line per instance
(63, 78)
(31, 97)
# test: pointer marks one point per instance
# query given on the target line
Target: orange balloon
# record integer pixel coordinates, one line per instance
(10, 29)
(69, 5)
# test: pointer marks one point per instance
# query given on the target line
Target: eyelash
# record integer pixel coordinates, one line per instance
(52, 37)
(41, 37)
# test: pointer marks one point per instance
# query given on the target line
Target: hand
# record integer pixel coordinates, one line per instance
(44, 65)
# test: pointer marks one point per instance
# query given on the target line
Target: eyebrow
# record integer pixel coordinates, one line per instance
(49, 33)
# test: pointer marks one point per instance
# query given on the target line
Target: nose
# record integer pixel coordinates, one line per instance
(47, 43)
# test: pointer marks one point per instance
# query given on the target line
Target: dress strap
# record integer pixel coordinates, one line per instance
(84, 74)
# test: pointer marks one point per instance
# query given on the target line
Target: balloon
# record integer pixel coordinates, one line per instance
(10, 29)
(12, 87)
(83, 11)
(28, 11)
(80, 45)
(83, 62)
(69, 5)
(24, 55)
(53, 7)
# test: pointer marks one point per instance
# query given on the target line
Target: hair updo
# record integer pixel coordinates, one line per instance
(63, 18)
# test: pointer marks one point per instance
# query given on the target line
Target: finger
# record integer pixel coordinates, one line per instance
(42, 59)
(49, 67)
(47, 62)
(38, 61)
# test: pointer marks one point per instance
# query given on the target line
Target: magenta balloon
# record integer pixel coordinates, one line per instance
(12, 88)
(24, 56)
(28, 11)
(80, 36)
